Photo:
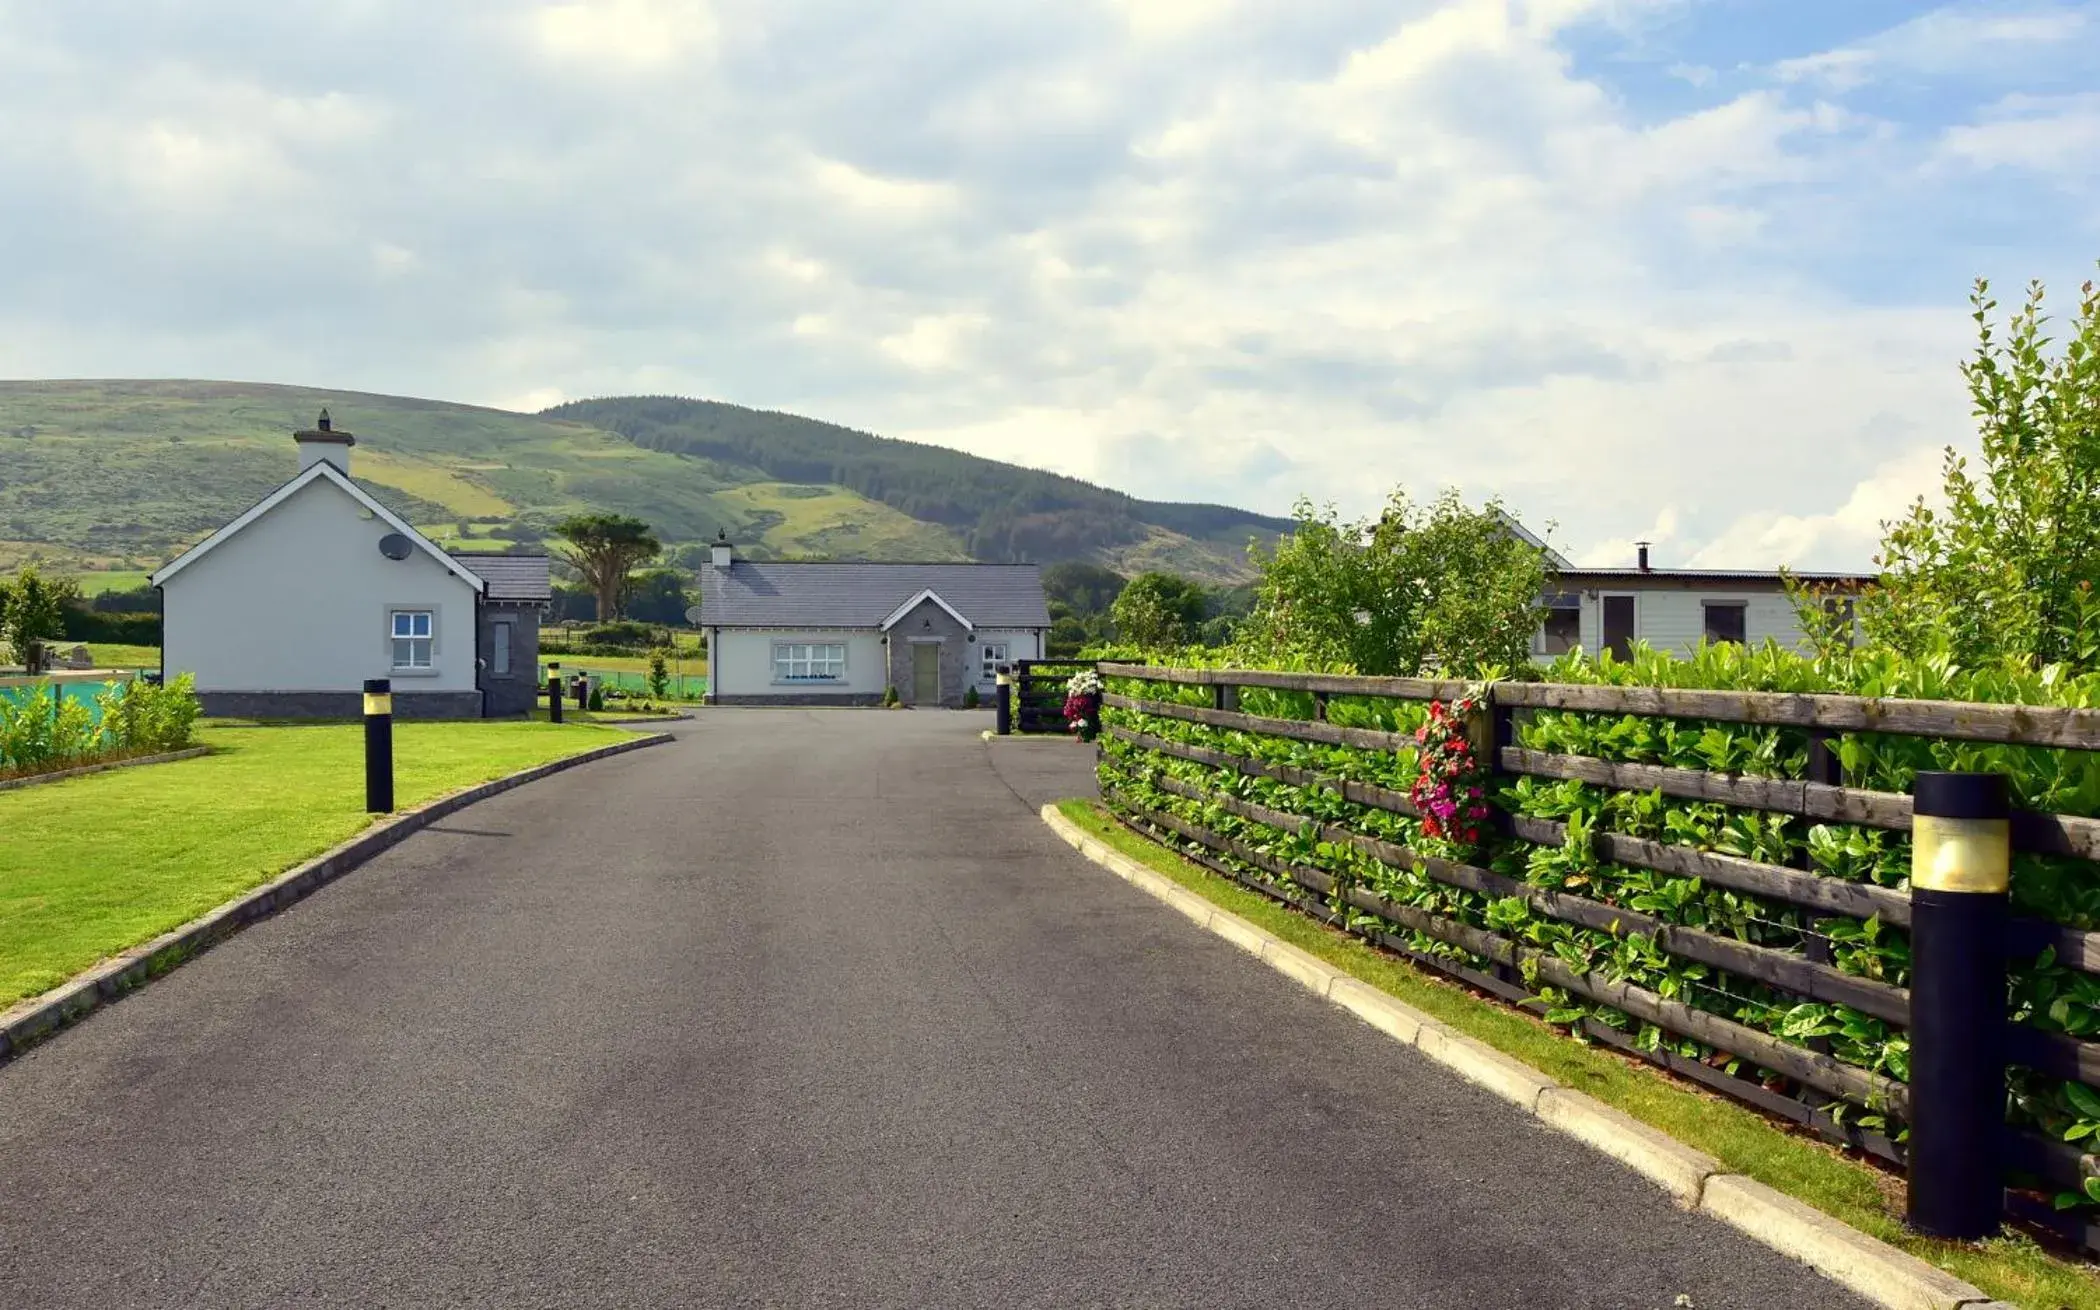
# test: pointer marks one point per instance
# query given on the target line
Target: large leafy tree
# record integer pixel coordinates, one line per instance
(32, 612)
(1158, 611)
(2005, 570)
(605, 549)
(1440, 586)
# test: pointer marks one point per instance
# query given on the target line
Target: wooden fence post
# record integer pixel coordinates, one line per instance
(1960, 866)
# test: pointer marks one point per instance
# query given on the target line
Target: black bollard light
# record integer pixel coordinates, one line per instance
(1961, 865)
(554, 692)
(379, 746)
(1003, 722)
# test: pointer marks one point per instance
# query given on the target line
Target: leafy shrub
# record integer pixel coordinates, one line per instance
(659, 674)
(626, 635)
(597, 698)
(123, 629)
(47, 731)
(970, 699)
(889, 696)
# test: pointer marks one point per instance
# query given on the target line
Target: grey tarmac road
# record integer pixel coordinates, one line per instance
(805, 1009)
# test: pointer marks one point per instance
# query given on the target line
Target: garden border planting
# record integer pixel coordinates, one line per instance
(38, 1017)
(1722, 945)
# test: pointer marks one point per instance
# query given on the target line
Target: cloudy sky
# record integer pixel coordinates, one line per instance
(1694, 270)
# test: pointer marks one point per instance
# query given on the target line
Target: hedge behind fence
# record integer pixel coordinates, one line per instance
(1717, 882)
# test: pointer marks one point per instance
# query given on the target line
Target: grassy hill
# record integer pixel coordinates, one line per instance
(121, 475)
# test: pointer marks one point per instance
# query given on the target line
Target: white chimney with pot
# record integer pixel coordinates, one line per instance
(723, 552)
(324, 441)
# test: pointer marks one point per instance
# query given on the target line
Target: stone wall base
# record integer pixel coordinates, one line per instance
(336, 704)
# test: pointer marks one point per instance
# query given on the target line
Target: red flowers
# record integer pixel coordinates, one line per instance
(1448, 779)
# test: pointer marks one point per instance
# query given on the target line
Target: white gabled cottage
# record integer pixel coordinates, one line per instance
(284, 612)
(845, 633)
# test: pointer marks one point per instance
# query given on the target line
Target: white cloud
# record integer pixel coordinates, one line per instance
(622, 36)
(1244, 250)
(2044, 134)
(1952, 39)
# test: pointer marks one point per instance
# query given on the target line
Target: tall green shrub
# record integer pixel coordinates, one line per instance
(2005, 572)
(1438, 586)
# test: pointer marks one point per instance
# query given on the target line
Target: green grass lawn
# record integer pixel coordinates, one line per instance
(91, 866)
(111, 655)
(97, 581)
(2014, 1269)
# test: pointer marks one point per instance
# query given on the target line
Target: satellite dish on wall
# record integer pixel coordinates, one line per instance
(395, 546)
(692, 615)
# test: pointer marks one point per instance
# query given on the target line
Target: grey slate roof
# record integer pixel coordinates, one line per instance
(510, 577)
(842, 595)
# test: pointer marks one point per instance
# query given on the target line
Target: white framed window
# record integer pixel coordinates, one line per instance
(499, 650)
(809, 661)
(994, 656)
(414, 633)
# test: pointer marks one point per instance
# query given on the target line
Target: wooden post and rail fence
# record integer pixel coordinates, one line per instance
(1944, 1118)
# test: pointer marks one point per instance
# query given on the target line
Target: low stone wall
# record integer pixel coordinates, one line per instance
(336, 704)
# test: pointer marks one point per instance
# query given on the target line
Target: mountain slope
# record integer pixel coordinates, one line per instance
(123, 474)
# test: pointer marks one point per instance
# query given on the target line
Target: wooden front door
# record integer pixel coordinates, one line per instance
(926, 674)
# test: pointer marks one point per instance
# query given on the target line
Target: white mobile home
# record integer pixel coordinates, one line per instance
(1673, 610)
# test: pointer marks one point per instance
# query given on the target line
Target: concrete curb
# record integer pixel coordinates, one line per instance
(990, 734)
(31, 1021)
(1866, 1265)
(83, 770)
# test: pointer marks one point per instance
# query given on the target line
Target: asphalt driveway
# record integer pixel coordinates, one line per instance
(807, 1009)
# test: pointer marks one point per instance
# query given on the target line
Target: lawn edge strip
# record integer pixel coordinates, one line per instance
(39, 1017)
(82, 770)
(1864, 1264)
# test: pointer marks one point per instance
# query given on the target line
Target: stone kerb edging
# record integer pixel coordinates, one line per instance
(36, 1018)
(82, 770)
(1866, 1265)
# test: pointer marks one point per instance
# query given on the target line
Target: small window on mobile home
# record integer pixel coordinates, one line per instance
(1563, 631)
(1725, 621)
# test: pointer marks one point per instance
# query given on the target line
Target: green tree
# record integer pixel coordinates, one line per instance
(32, 612)
(1158, 611)
(658, 596)
(659, 674)
(1422, 587)
(605, 548)
(1086, 589)
(2005, 571)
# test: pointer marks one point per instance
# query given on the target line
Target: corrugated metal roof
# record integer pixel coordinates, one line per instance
(510, 577)
(1709, 575)
(857, 595)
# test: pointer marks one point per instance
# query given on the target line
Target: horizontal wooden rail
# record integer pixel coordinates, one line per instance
(1326, 734)
(1811, 891)
(2023, 725)
(1361, 793)
(1782, 969)
(1327, 683)
(2075, 947)
(2054, 834)
(1811, 1068)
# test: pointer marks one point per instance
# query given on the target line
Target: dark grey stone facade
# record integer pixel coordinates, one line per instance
(336, 704)
(517, 692)
(929, 623)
